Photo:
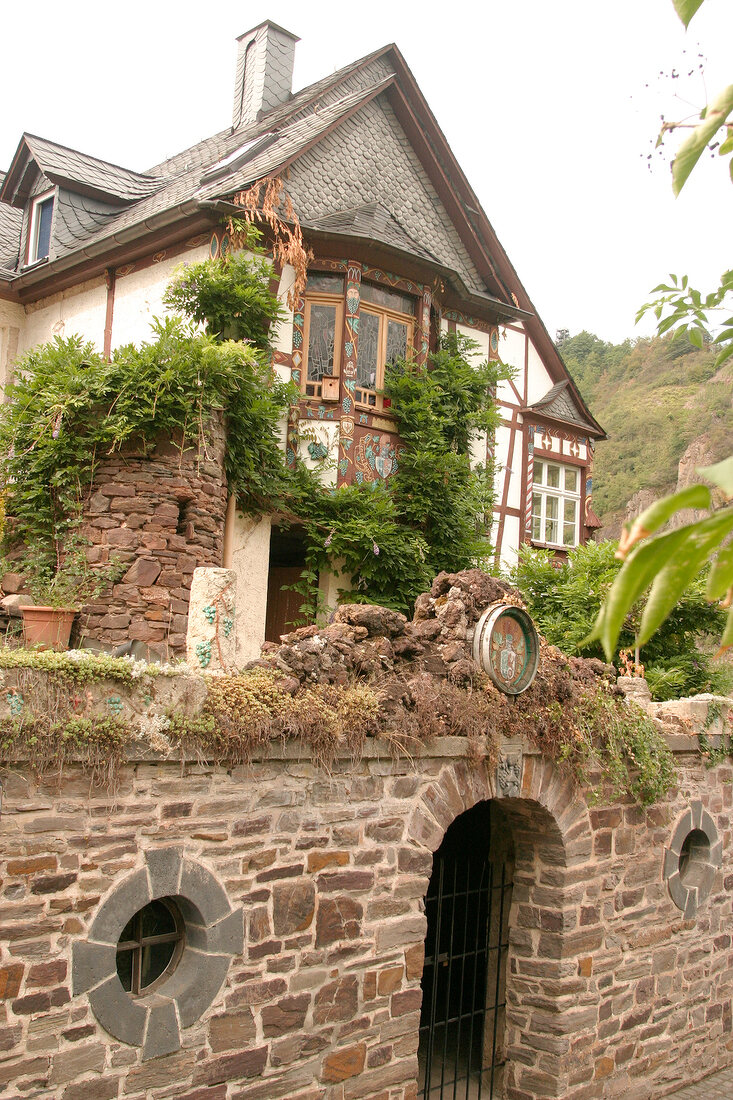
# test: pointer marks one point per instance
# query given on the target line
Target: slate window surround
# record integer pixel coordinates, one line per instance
(40, 222)
(692, 860)
(555, 504)
(213, 935)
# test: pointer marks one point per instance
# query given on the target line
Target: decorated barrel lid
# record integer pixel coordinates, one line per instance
(506, 646)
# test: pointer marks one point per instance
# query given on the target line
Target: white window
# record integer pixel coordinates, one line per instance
(39, 238)
(556, 504)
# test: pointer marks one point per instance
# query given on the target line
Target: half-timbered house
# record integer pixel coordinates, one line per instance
(402, 251)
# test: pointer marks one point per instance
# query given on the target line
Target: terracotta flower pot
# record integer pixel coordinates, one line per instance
(47, 627)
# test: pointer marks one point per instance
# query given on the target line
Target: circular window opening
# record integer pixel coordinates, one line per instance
(694, 858)
(150, 946)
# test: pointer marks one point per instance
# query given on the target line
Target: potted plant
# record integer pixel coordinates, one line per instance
(58, 593)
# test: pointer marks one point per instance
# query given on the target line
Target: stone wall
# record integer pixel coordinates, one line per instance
(160, 515)
(610, 990)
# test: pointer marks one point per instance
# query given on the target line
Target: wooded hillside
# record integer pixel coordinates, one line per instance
(662, 403)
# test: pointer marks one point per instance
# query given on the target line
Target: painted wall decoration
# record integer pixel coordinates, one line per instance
(375, 456)
(348, 370)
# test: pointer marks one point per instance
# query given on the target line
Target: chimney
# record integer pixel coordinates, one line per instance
(264, 71)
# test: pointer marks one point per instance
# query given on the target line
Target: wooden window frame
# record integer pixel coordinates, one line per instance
(135, 947)
(561, 494)
(323, 300)
(385, 315)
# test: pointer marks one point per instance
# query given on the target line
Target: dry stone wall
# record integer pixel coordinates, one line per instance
(610, 991)
(160, 515)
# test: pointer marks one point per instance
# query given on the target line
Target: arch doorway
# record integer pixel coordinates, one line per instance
(461, 1053)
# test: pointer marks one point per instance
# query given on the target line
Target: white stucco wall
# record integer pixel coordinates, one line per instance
(249, 559)
(79, 311)
(12, 319)
(509, 543)
(538, 379)
(139, 296)
(511, 352)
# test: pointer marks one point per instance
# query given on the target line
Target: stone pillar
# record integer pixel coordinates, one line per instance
(211, 637)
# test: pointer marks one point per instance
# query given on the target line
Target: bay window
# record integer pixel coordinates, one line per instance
(384, 330)
(556, 504)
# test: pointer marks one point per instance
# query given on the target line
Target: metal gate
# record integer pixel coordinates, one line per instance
(461, 1052)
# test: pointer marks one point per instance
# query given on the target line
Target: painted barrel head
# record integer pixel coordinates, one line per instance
(506, 646)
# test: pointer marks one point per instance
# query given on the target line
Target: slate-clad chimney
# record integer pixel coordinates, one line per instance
(264, 71)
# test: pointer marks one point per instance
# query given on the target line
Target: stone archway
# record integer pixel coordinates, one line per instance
(551, 835)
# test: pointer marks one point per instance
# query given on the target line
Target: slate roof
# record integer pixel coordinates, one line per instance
(70, 168)
(182, 178)
(559, 404)
(371, 222)
(10, 224)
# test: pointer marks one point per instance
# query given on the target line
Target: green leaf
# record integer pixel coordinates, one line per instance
(720, 578)
(636, 575)
(692, 147)
(721, 474)
(727, 639)
(686, 9)
(657, 514)
(681, 568)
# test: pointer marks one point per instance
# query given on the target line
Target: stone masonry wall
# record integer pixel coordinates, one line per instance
(161, 515)
(610, 991)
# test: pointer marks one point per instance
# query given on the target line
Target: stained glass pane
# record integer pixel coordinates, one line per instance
(390, 299)
(368, 355)
(321, 340)
(396, 341)
(571, 480)
(326, 284)
(553, 476)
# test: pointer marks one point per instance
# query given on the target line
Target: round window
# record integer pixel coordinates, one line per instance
(150, 946)
(694, 858)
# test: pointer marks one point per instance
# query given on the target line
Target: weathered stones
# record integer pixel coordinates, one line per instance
(293, 907)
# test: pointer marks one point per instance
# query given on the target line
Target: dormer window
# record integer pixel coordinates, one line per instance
(39, 237)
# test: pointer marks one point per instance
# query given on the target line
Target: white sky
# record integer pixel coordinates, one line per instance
(550, 106)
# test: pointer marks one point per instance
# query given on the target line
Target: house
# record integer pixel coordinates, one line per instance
(402, 252)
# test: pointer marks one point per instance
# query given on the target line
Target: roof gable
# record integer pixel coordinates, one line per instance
(559, 404)
(77, 172)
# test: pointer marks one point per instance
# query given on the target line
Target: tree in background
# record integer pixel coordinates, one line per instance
(564, 599)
